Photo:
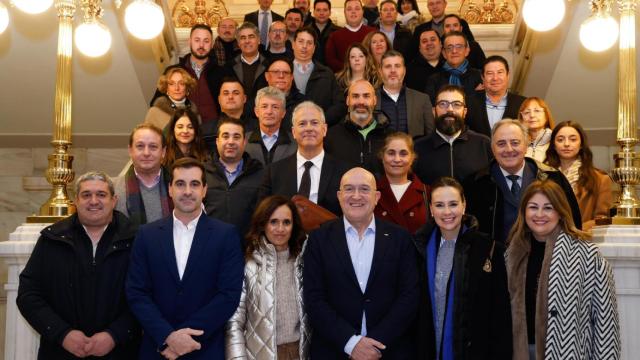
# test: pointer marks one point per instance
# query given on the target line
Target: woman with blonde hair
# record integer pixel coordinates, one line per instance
(563, 300)
(536, 116)
(377, 43)
(175, 85)
(358, 64)
(270, 322)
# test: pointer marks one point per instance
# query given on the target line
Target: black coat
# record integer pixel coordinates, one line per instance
(253, 17)
(323, 36)
(486, 201)
(233, 204)
(401, 39)
(469, 153)
(334, 301)
(344, 142)
(481, 313)
(323, 90)
(470, 80)
(477, 118)
(418, 72)
(63, 287)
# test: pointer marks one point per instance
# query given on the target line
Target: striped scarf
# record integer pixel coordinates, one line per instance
(456, 73)
(135, 205)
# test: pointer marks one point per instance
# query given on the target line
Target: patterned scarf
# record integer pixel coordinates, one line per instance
(135, 205)
(218, 50)
(573, 174)
(455, 74)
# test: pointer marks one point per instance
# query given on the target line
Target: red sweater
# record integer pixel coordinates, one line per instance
(338, 43)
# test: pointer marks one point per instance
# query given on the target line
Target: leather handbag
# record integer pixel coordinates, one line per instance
(312, 215)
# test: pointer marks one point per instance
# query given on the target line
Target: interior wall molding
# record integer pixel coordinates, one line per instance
(108, 141)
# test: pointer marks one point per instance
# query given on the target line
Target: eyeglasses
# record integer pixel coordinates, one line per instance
(277, 31)
(280, 72)
(444, 105)
(351, 190)
(457, 47)
(536, 111)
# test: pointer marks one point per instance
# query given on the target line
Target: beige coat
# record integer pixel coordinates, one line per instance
(596, 204)
(250, 333)
(162, 110)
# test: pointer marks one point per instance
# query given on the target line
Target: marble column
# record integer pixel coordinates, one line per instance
(620, 245)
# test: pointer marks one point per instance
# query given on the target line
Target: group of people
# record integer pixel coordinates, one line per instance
(455, 217)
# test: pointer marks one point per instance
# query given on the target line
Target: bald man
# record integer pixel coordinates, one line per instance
(366, 314)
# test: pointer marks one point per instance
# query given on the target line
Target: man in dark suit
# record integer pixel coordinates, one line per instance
(309, 172)
(185, 275)
(361, 303)
(495, 102)
(262, 19)
(399, 37)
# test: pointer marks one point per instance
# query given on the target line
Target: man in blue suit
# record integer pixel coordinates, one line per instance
(185, 275)
(360, 280)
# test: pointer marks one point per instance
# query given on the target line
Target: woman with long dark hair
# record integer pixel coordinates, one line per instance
(570, 153)
(409, 14)
(270, 322)
(183, 138)
(563, 299)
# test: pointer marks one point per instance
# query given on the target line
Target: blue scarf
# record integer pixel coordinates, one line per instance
(455, 74)
(446, 348)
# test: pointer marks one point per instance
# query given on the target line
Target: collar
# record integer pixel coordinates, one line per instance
(249, 62)
(191, 223)
(353, 29)
(391, 95)
(156, 180)
(501, 102)
(370, 227)
(519, 172)
(317, 160)
(300, 66)
(447, 138)
(265, 135)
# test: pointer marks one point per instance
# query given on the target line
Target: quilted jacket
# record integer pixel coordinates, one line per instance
(250, 333)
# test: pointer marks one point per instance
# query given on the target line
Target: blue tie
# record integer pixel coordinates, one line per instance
(515, 187)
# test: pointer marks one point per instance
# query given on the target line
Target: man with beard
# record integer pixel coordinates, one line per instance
(428, 61)
(358, 139)
(207, 73)
(233, 177)
(225, 47)
(278, 44)
(408, 110)
(453, 150)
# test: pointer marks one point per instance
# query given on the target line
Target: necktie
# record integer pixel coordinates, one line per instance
(305, 182)
(515, 187)
(444, 263)
(264, 28)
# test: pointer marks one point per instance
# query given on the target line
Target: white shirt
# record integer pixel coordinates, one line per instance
(393, 97)
(361, 253)
(519, 173)
(314, 172)
(182, 240)
(399, 190)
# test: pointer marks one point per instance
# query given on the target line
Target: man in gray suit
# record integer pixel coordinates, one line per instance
(270, 142)
(408, 110)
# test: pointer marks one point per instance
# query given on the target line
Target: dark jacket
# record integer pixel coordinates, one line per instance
(481, 313)
(344, 142)
(486, 198)
(477, 118)
(418, 108)
(415, 41)
(234, 69)
(209, 130)
(469, 153)
(401, 39)
(418, 72)
(323, 36)
(63, 287)
(411, 212)
(323, 90)
(470, 80)
(233, 204)
(284, 147)
(476, 55)
(253, 17)
(281, 178)
(335, 302)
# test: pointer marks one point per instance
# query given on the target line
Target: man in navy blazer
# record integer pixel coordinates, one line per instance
(185, 276)
(360, 280)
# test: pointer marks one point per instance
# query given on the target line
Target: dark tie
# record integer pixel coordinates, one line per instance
(515, 187)
(305, 182)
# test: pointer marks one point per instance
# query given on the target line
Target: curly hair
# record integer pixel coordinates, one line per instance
(189, 81)
(261, 217)
(345, 76)
(197, 149)
(367, 43)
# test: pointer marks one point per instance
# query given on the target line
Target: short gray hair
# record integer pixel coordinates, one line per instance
(273, 93)
(95, 175)
(307, 105)
(247, 25)
(507, 121)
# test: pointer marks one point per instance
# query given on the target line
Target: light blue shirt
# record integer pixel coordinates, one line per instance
(495, 111)
(232, 175)
(269, 141)
(361, 253)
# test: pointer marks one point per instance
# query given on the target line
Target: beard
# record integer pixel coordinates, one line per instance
(359, 117)
(449, 123)
(198, 56)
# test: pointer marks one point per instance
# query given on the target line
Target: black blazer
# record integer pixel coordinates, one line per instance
(253, 17)
(334, 301)
(477, 118)
(281, 177)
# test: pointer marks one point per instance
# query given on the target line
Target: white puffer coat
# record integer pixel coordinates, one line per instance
(250, 333)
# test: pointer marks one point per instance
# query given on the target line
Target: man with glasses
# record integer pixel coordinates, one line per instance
(279, 74)
(279, 46)
(453, 150)
(263, 18)
(361, 303)
(310, 172)
(493, 193)
(453, 22)
(494, 103)
(225, 47)
(456, 70)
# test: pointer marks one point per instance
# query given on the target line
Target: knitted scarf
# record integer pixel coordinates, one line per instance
(572, 174)
(456, 73)
(135, 205)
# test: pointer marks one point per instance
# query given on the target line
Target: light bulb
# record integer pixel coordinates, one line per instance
(599, 32)
(33, 6)
(144, 19)
(4, 18)
(93, 38)
(543, 15)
